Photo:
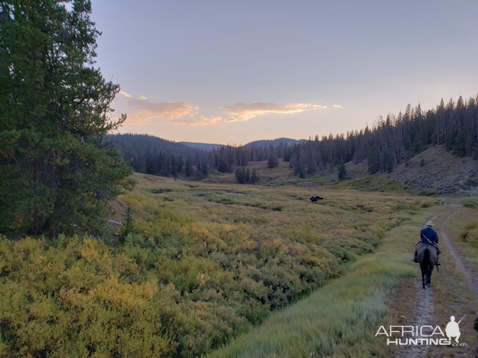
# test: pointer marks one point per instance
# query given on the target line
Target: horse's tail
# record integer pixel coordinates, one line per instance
(426, 256)
(426, 260)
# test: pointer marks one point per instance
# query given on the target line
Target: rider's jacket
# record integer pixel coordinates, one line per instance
(430, 233)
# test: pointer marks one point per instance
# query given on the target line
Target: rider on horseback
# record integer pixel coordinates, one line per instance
(428, 236)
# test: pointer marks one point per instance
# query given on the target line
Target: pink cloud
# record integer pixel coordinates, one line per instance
(183, 113)
(244, 112)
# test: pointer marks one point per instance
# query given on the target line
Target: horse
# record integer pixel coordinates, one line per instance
(427, 258)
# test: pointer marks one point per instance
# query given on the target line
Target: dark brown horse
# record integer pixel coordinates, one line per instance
(427, 257)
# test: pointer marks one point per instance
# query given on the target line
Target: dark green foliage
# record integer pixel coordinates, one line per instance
(243, 175)
(342, 172)
(459, 144)
(180, 163)
(422, 162)
(373, 160)
(204, 169)
(390, 165)
(471, 203)
(188, 168)
(254, 177)
(302, 173)
(272, 161)
(173, 166)
(56, 173)
(128, 222)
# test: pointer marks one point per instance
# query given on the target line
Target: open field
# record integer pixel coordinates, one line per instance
(204, 263)
(340, 319)
(380, 289)
(283, 175)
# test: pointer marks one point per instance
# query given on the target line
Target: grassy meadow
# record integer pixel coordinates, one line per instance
(341, 318)
(205, 263)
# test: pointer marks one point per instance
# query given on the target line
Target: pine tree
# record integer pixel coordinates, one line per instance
(204, 169)
(272, 161)
(173, 166)
(180, 163)
(55, 171)
(239, 176)
(302, 173)
(342, 172)
(254, 176)
(373, 160)
(128, 222)
(459, 145)
(188, 167)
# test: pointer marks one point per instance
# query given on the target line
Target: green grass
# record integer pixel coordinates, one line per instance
(340, 319)
(372, 183)
(209, 261)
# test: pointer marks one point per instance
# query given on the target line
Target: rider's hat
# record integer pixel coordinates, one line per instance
(429, 223)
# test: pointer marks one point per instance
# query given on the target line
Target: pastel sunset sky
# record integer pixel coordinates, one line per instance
(237, 71)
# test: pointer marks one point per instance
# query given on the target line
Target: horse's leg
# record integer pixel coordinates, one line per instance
(423, 277)
(429, 275)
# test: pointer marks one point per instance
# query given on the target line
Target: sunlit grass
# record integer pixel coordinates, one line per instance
(340, 319)
(208, 262)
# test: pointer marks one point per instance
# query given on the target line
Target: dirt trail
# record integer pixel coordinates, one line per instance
(423, 312)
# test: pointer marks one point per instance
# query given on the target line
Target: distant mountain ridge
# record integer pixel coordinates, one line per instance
(275, 142)
(138, 143)
(257, 143)
(202, 146)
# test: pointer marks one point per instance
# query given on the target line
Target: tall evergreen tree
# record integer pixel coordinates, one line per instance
(342, 172)
(128, 222)
(272, 161)
(174, 167)
(373, 160)
(254, 176)
(188, 167)
(55, 171)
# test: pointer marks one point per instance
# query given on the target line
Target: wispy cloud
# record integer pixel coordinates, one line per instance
(173, 112)
(126, 94)
(337, 106)
(201, 121)
(183, 113)
(245, 112)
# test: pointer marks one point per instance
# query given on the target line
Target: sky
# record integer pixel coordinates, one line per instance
(230, 72)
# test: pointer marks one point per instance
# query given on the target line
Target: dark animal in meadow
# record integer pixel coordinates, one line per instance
(315, 198)
(427, 258)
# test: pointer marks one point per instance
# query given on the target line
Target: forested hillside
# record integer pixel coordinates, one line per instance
(395, 140)
(157, 156)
